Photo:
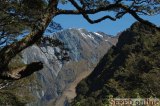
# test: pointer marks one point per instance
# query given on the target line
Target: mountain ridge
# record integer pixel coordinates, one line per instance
(127, 70)
(82, 47)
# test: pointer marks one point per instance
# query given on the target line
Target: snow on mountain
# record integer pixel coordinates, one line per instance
(84, 48)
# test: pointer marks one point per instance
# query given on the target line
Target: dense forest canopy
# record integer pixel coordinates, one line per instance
(20, 16)
(34, 17)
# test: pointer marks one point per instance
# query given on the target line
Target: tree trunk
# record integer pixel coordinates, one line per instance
(10, 51)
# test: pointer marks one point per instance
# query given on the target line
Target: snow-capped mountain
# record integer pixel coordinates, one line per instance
(84, 49)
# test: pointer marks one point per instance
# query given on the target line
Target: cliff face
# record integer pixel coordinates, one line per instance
(84, 50)
(129, 69)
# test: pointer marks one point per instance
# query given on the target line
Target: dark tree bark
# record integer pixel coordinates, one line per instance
(10, 51)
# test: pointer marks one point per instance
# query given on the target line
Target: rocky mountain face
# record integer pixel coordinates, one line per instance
(80, 52)
(130, 69)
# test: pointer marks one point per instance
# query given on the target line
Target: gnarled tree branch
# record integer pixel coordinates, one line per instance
(117, 5)
(10, 51)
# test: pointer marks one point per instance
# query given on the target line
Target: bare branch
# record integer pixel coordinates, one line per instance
(135, 15)
(117, 5)
(90, 11)
(85, 15)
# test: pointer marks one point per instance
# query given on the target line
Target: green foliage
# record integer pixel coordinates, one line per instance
(19, 16)
(63, 1)
(34, 4)
(82, 88)
(48, 41)
(130, 69)
(7, 98)
(18, 92)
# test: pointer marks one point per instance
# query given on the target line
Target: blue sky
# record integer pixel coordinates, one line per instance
(107, 26)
